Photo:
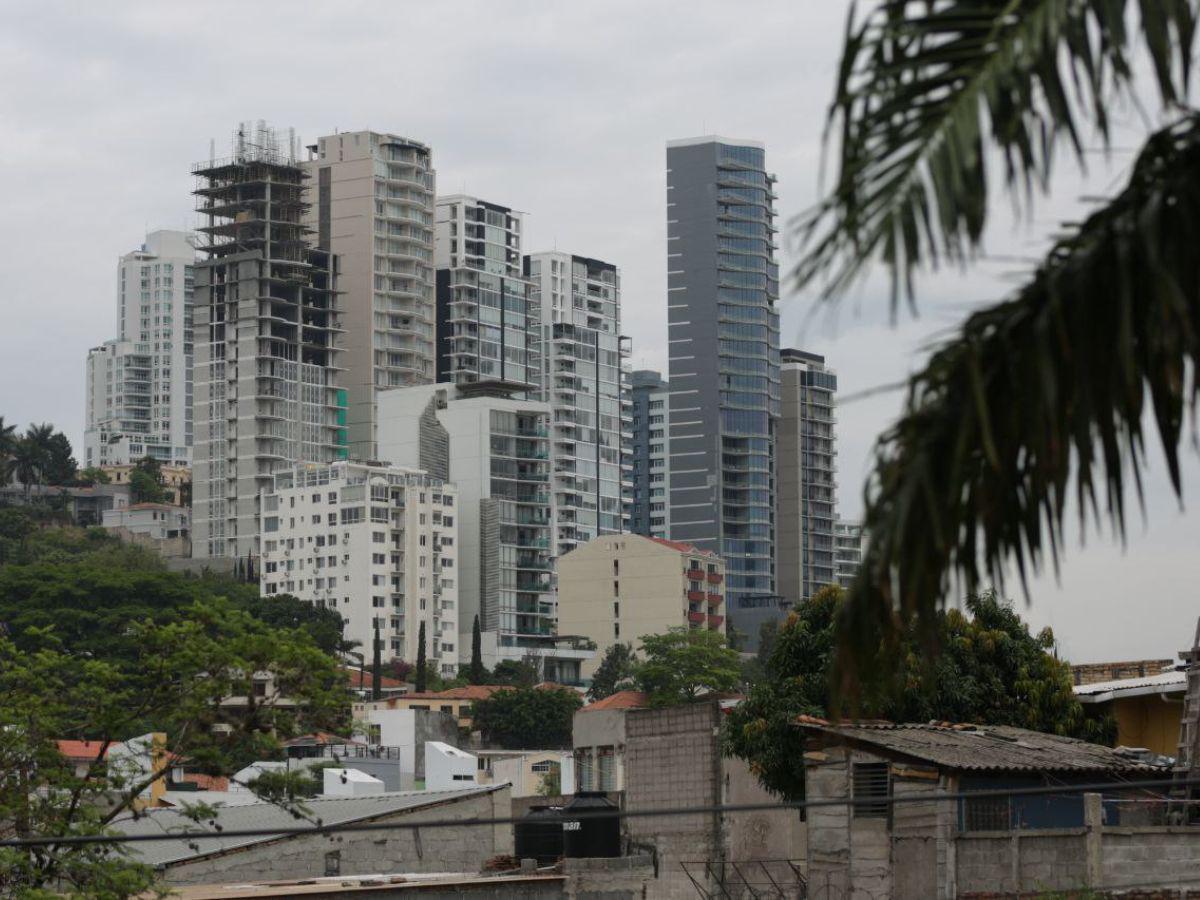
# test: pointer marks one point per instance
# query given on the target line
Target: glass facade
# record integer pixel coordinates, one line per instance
(723, 323)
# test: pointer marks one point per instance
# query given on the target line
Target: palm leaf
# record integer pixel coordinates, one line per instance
(927, 88)
(1041, 398)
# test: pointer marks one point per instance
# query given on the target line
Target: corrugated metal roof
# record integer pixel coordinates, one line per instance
(330, 811)
(1102, 691)
(984, 747)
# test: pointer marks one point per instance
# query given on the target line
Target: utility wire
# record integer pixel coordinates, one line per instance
(347, 827)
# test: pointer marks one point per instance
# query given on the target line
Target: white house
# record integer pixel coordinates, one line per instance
(448, 768)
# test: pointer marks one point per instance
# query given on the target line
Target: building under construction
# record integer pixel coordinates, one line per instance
(267, 391)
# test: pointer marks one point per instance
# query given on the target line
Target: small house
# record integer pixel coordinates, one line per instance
(894, 837)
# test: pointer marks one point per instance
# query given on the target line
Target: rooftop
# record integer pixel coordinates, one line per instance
(621, 700)
(88, 750)
(260, 815)
(977, 748)
(690, 549)
(1174, 682)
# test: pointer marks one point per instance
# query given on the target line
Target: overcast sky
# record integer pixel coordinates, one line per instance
(561, 110)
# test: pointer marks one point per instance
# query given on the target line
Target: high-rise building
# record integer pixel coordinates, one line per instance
(267, 394)
(848, 539)
(807, 463)
(651, 449)
(372, 199)
(376, 543)
(495, 450)
(486, 318)
(139, 385)
(583, 380)
(723, 333)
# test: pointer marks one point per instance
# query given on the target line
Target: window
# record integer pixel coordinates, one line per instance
(333, 863)
(987, 814)
(870, 789)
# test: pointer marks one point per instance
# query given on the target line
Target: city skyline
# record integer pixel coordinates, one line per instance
(608, 153)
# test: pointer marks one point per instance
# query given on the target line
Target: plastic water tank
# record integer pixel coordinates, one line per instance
(539, 835)
(591, 836)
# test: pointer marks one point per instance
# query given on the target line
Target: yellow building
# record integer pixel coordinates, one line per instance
(619, 588)
(1147, 710)
(174, 478)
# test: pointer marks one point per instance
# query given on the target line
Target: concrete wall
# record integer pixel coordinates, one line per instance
(452, 849)
(672, 758)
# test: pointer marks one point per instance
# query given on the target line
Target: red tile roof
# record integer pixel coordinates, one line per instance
(479, 691)
(208, 782)
(621, 700)
(362, 680)
(680, 546)
(88, 750)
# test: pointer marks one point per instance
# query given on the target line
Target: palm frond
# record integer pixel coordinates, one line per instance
(1042, 398)
(927, 88)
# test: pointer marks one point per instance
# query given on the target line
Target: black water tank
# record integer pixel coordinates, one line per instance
(539, 835)
(592, 836)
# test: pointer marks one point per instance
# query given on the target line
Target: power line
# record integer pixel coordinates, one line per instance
(348, 827)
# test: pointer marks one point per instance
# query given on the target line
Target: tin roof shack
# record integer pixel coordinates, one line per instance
(929, 848)
(1147, 709)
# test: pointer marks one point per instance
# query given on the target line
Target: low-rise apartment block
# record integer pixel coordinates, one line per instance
(621, 588)
(377, 543)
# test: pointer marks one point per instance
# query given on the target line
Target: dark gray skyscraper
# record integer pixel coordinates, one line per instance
(723, 328)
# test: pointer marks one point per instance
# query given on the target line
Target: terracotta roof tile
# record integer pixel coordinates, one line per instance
(684, 548)
(81, 749)
(621, 700)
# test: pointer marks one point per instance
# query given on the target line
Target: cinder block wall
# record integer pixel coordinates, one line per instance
(453, 849)
(671, 761)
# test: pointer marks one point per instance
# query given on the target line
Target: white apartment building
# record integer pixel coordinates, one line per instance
(584, 381)
(377, 543)
(850, 541)
(651, 471)
(806, 463)
(487, 320)
(139, 385)
(268, 388)
(372, 201)
(494, 449)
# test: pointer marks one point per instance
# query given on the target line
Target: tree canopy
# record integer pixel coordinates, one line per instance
(88, 586)
(527, 718)
(193, 673)
(679, 666)
(615, 672)
(988, 670)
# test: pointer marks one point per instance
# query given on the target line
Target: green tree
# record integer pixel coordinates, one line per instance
(679, 666)
(990, 671)
(615, 672)
(477, 673)
(422, 684)
(516, 672)
(527, 718)
(59, 467)
(145, 482)
(1044, 395)
(194, 668)
(323, 625)
(89, 586)
(8, 443)
(92, 476)
(27, 463)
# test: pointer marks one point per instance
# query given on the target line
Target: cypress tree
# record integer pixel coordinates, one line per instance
(477, 670)
(377, 665)
(422, 680)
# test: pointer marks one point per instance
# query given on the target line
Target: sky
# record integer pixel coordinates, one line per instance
(561, 110)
